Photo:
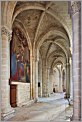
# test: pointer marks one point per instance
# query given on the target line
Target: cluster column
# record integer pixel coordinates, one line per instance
(31, 80)
(60, 82)
(71, 81)
(51, 81)
(76, 27)
(40, 78)
(48, 82)
(68, 80)
(5, 73)
(44, 78)
(36, 78)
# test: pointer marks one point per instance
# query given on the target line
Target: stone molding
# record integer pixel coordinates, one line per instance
(5, 31)
(75, 7)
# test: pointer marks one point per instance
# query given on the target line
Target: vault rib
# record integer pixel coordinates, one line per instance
(40, 21)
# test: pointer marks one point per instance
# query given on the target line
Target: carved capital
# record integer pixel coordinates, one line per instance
(75, 7)
(67, 64)
(6, 32)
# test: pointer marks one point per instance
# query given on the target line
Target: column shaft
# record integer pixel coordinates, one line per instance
(76, 22)
(5, 74)
(36, 78)
(68, 80)
(60, 82)
(44, 78)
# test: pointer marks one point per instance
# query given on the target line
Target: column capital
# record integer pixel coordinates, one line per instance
(75, 7)
(5, 31)
(51, 73)
(48, 68)
(67, 64)
(36, 59)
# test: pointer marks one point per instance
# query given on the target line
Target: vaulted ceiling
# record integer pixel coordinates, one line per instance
(48, 26)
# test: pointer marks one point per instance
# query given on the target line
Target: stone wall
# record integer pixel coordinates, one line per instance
(23, 93)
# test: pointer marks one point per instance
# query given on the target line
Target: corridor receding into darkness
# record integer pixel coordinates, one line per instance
(40, 60)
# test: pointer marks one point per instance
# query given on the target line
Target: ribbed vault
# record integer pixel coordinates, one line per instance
(46, 32)
(47, 28)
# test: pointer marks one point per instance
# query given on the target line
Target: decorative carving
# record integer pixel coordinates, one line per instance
(75, 6)
(9, 36)
(6, 32)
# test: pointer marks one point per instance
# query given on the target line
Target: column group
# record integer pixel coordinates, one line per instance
(5, 72)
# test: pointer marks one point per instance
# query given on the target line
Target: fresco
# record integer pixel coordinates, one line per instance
(19, 57)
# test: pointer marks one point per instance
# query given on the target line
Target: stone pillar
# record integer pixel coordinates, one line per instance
(63, 79)
(76, 27)
(40, 78)
(5, 73)
(60, 82)
(44, 78)
(31, 75)
(71, 82)
(68, 80)
(36, 79)
(48, 82)
(51, 82)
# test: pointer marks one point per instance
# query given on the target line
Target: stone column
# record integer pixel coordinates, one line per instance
(44, 78)
(48, 82)
(5, 73)
(40, 78)
(60, 82)
(76, 27)
(71, 82)
(31, 76)
(36, 79)
(51, 81)
(63, 79)
(68, 80)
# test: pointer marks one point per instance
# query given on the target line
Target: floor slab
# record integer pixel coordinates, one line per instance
(48, 109)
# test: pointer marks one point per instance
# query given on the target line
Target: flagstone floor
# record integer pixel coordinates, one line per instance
(49, 109)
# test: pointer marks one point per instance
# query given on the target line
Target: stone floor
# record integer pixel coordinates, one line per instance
(46, 109)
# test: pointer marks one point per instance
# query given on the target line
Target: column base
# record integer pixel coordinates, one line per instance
(75, 118)
(71, 102)
(67, 96)
(35, 100)
(8, 114)
(45, 95)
